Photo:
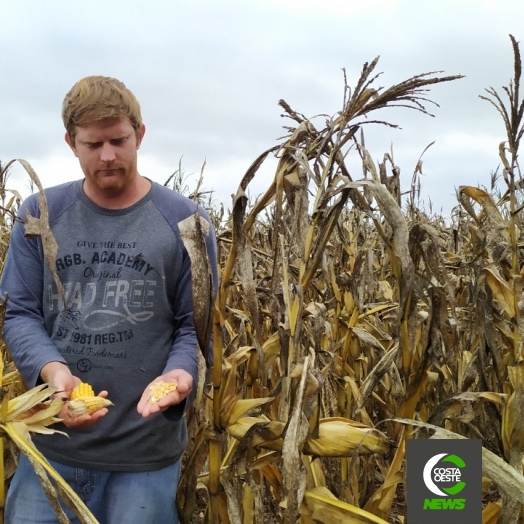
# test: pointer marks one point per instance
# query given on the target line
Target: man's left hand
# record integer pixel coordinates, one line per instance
(184, 382)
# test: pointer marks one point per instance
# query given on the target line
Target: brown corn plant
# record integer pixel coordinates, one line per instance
(343, 324)
(309, 326)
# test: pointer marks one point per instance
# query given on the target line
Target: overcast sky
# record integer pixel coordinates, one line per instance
(209, 74)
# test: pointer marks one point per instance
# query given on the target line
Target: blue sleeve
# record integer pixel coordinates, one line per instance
(24, 332)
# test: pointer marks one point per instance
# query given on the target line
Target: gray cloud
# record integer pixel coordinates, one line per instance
(209, 76)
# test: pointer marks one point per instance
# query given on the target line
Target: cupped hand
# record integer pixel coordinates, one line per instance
(58, 374)
(184, 382)
(83, 421)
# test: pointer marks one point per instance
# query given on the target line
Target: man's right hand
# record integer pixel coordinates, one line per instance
(58, 374)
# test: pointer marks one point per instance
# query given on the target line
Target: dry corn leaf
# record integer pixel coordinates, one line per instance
(293, 471)
(268, 435)
(229, 396)
(293, 315)
(242, 406)
(454, 404)
(193, 231)
(43, 414)
(385, 365)
(381, 501)
(18, 433)
(512, 421)
(452, 258)
(244, 260)
(323, 507)
(17, 406)
(273, 476)
(40, 227)
(501, 290)
(490, 514)
(334, 285)
(367, 338)
(49, 489)
(385, 290)
(315, 473)
(196, 457)
(271, 349)
(488, 204)
(269, 195)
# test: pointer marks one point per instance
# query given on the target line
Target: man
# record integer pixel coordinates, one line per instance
(124, 321)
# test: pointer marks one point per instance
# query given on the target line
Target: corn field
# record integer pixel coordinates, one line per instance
(346, 321)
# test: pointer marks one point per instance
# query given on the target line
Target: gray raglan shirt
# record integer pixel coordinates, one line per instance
(128, 320)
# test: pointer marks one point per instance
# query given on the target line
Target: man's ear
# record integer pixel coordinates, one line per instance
(139, 135)
(70, 143)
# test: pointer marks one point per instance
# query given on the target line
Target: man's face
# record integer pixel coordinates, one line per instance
(107, 151)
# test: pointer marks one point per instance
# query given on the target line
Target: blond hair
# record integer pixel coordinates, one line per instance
(96, 98)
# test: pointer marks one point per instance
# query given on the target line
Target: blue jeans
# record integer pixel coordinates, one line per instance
(114, 497)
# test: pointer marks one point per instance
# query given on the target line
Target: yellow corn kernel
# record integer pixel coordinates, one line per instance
(82, 390)
(87, 405)
(160, 389)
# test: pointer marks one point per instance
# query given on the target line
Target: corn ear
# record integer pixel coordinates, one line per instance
(338, 437)
(341, 437)
(82, 390)
(87, 405)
